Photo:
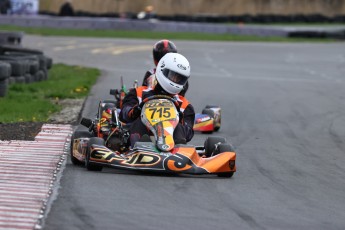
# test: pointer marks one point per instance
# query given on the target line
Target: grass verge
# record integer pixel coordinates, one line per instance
(37, 101)
(155, 35)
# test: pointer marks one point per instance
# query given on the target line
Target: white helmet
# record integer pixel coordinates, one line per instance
(172, 72)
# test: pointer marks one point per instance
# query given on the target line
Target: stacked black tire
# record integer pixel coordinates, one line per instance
(21, 65)
(5, 73)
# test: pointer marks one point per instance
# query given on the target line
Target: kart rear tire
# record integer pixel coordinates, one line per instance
(90, 166)
(78, 134)
(210, 145)
(110, 102)
(209, 112)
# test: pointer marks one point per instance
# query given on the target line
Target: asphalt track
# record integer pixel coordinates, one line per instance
(283, 109)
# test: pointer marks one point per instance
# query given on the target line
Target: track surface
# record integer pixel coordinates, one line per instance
(283, 109)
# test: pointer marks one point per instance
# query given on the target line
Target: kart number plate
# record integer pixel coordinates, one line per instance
(158, 111)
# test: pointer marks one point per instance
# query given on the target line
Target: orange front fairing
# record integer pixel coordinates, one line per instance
(220, 162)
(146, 156)
(216, 164)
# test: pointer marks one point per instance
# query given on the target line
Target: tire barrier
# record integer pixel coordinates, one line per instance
(21, 65)
(11, 38)
(5, 73)
(340, 35)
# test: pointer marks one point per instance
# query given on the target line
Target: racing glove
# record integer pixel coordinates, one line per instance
(134, 113)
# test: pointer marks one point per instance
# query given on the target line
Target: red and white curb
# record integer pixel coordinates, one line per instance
(28, 171)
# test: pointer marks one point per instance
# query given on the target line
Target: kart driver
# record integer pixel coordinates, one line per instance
(161, 48)
(173, 71)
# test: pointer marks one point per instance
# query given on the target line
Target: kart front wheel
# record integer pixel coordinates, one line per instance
(89, 165)
(211, 143)
(226, 147)
(226, 174)
(77, 134)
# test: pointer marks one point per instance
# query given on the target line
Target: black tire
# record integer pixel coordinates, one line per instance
(110, 101)
(226, 147)
(209, 112)
(78, 134)
(18, 67)
(34, 66)
(34, 61)
(49, 62)
(19, 79)
(226, 174)
(11, 80)
(39, 76)
(45, 73)
(211, 106)
(11, 38)
(90, 166)
(5, 70)
(216, 129)
(28, 78)
(13, 48)
(210, 145)
(40, 58)
(3, 87)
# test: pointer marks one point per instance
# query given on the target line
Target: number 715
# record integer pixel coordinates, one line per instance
(162, 112)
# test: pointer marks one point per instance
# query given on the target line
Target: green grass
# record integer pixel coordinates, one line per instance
(37, 101)
(153, 35)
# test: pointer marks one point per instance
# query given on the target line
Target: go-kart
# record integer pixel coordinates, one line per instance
(108, 145)
(208, 121)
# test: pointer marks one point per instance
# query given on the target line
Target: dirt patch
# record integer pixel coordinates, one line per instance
(20, 130)
(70, 112)
(28, 130)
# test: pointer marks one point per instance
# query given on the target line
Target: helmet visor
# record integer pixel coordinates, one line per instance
(175, 77)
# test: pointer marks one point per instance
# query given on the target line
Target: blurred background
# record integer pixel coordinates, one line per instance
(248, 11)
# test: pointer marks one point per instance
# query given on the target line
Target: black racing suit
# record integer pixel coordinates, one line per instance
(183, 132)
